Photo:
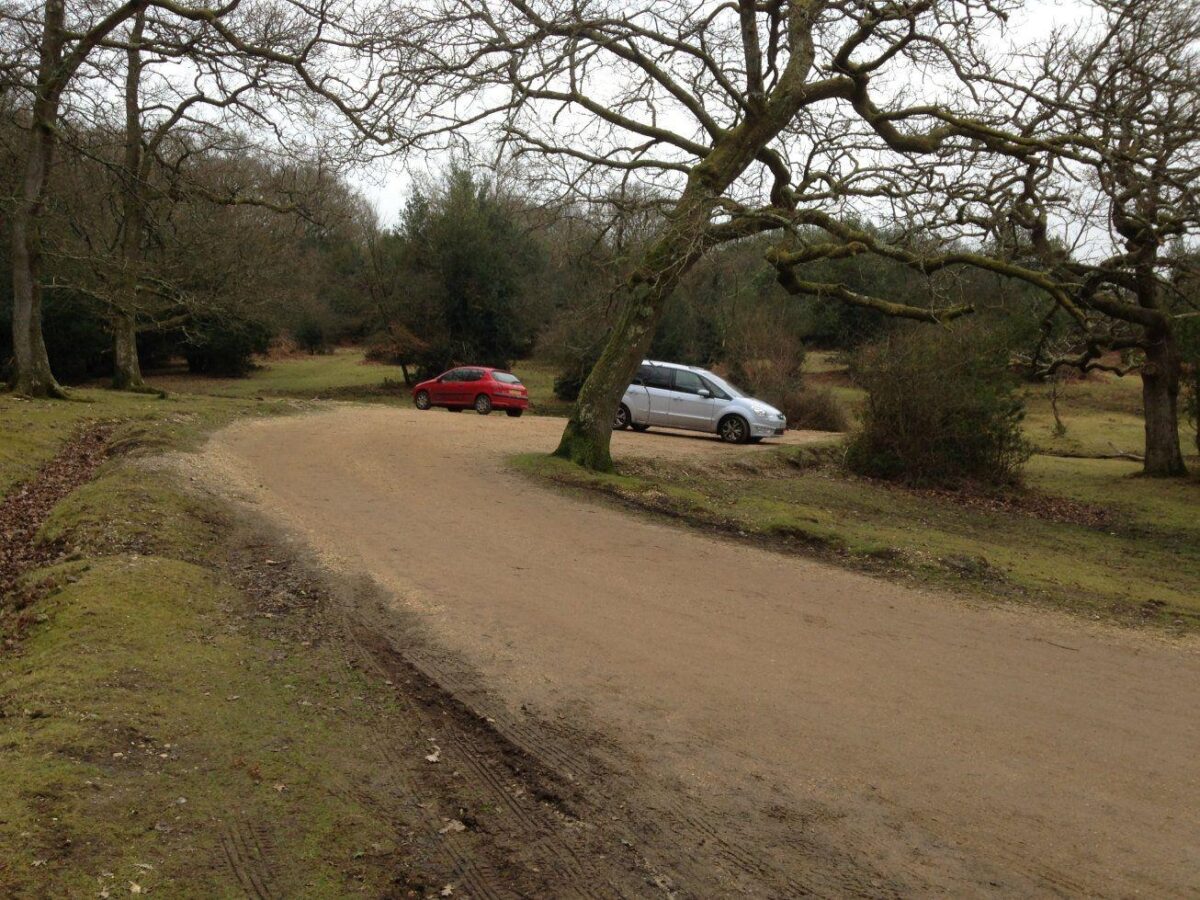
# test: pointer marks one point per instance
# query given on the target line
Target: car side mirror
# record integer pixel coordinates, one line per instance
(704, 392)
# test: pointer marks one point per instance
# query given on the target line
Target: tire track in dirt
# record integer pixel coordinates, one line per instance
(246, 849)
(468, 743)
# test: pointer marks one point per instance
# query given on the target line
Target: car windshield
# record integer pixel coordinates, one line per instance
(506, 377)
(724, 385)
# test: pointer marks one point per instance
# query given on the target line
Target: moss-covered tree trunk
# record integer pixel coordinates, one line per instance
(1161, 376)
(642, 300)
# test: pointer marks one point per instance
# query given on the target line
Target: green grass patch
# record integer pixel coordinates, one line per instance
(1142, 564)
(150, 713)
(343, 374)
(141, 725)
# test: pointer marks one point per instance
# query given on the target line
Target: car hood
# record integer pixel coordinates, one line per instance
(751, 403)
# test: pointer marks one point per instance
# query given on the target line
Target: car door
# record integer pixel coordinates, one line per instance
(692, 403)
(442, 389)
(468, 386)
(637, 399)
(657, 381)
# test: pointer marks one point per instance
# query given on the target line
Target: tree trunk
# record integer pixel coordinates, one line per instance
(32, 375)
(127, 370)
(585, 440)
(1160, 401)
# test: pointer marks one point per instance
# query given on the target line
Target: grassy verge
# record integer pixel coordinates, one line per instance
(1089, 536)
(161, 729)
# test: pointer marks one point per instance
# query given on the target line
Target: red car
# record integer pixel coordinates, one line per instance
(480, 387)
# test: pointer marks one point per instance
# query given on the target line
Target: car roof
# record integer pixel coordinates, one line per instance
(670, 365)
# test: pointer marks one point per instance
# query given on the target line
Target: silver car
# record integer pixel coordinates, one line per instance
(675, 396)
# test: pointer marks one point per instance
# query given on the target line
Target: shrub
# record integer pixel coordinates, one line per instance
(813, 408)
(942, 408)
(311, 335)
(569, 380)
(225, 346)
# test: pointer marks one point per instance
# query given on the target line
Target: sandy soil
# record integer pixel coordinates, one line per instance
(770, 725)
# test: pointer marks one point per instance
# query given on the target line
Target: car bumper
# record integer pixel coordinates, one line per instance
(773, 428)
(501, 402)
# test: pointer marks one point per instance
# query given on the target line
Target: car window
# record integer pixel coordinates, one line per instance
(452, 375)
(688, 382)
(470, 375)
(656, 377)
(713, 389)
(506, 378)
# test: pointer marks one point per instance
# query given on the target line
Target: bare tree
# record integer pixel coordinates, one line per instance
(61, 49)
(318, 46)
(1128, 98)
(169, 125)
(735, 115)
(1094, 201)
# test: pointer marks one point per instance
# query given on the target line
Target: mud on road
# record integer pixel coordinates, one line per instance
(746, 723)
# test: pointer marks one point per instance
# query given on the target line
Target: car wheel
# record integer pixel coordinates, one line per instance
(621, 419)
(734, 430)
(483, 404)
(640, 428)
(422, 401)
(514, 413)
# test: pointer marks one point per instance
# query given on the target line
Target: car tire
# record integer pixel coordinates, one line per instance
(640, 428)
(514, 413)
(734, 429)
(621, 420)
(483, 404)
(422, 401)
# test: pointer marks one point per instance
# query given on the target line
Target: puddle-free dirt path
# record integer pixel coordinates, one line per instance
(771, 724)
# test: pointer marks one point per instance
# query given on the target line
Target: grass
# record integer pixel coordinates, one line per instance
(34, 430)
(344, 374)
(151, 712)
(140, 728)
(1142, 564)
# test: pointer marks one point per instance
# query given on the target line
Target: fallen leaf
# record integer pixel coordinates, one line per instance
(448, 890)
(435, 756)
(134, 887)
(281, 787)
(454, 826)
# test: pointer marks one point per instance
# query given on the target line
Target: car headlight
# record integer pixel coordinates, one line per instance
(762, 412)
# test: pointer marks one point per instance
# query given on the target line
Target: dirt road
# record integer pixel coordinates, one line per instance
(765, 725)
